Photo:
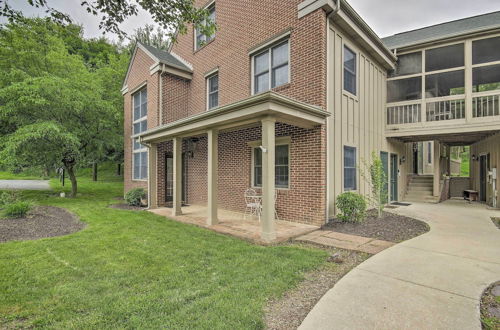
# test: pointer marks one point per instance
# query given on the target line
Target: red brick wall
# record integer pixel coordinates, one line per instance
(139, 74)
(175, 93)
(304, 201)
(243, 25)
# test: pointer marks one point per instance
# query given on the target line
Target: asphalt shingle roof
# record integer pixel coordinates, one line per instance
(166, 57)
(444, 30)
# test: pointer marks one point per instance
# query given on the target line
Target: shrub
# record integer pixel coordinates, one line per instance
(8, 197)
(17, 210)
(352, 207)
(134, 196)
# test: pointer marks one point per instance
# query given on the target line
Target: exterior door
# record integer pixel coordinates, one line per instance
(483, 170)
(384, 157)
(394, 178)
(415, 158)
(169, 178)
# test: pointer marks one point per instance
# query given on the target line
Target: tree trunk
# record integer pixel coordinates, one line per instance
(119, 169)
(94, 171)
(72, 178)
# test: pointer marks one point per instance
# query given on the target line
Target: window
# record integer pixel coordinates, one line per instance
(408, 64)
(281, 166)
(349, 70)
(486, 78)
(429, 153)
(140, 124)
(213, 91)
(349, 168)
(444, 57)
(485, 50)
(404, 89)
(445, 84)
(202, 39)
(271, 68)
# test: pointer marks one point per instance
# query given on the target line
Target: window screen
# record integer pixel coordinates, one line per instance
(486, 50)
(408, 64)
(444, 57)
(349, 70)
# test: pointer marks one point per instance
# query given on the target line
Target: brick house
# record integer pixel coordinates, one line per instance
(290, 103)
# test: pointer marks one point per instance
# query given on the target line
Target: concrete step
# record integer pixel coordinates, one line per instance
(419, 193)
(420, 200)
(422, 180)
(420, 188)
(422, 184)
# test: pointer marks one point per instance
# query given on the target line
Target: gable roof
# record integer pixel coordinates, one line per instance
(166, 57)
(162, 57)
(444, 30)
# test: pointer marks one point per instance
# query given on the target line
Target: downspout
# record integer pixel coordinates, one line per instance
(328, 171)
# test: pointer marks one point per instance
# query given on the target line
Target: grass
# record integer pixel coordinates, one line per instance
(131, 269)
(5, 175)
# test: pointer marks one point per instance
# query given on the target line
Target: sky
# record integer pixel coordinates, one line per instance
(385, 17)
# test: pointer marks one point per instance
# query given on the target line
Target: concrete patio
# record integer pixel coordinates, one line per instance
(235, 224)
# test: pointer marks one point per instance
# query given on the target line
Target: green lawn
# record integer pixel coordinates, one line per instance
(137, 270)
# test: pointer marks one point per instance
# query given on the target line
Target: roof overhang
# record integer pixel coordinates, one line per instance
(350, 21)
(248, 112)
(451, 137)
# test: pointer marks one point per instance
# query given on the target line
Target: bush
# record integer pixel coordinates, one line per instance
(134, 196)
(352, 207)
(8, 197)
(17, 210)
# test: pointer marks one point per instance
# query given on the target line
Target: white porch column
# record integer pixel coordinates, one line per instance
(177, 184)
(268, 142)
(152, 176)
(437, 172)
(213, 154)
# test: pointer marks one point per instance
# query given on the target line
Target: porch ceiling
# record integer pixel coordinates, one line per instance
(451, 139)
(244, 113)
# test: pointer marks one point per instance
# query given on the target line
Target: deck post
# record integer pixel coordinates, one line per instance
(437, 171)
(177, 184)
(213, 138)
(268, 233)
(152, 177)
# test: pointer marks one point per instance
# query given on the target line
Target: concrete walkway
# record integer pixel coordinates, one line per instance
(433, 281)
(331, 238)
(24, 185)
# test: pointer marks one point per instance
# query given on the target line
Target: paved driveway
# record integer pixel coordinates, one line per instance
(433, 281)
(24, 184)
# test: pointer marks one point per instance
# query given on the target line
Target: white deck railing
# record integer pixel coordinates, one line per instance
(485, 106)
(445, 110)
(404, 114)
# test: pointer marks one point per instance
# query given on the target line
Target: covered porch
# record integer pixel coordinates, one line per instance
(236, 224)
(263, 114)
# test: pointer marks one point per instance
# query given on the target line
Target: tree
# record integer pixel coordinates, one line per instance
(61, 109)
(172, 15)
(377, 180)
(147, 35)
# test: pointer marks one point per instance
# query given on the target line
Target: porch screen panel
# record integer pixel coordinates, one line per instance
(444, 57)
(486, 50)
(408, 64)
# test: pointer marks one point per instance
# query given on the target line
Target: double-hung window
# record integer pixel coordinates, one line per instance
(202, 39)
(281, 166)
(349, 70)
(140, 124)
(271, 68)
(349, 168)
(213, 91)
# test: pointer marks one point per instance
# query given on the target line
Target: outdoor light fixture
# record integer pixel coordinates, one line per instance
(402, 160)
(192, 146)
(474, 157)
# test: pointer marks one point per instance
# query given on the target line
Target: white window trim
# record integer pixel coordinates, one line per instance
(356, 149)
(207, 87)
(263, 49)
(144, 148)
(195, 34)
(355, 50)
(279, 141)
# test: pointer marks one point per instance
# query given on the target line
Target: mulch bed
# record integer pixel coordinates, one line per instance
(41, 222)
(490, 307)
(496, 221)
(291, 309)
(391, 227)
(123, 206)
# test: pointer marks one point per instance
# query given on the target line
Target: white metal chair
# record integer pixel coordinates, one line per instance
(252, 202)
